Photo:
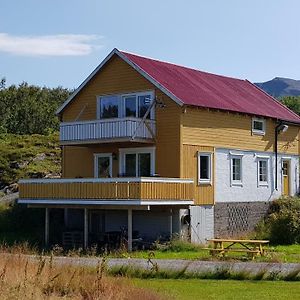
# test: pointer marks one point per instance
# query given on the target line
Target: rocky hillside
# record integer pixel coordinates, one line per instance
(280, 87)
(27, 156)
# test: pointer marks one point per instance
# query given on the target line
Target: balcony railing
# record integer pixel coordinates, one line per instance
(108, 129)
(69, 191)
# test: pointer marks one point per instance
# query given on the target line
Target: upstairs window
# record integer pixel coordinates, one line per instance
(109, 107)
(204, 168)
(258, 126)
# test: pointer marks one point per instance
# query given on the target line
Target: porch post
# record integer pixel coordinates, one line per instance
(47, 226)
(86, 229)
(171, 223)
(129, 229)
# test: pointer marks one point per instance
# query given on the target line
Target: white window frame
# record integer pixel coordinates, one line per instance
(256, 131)
(121, 103)
(96, 156)
(263, 183)
(203, 180)
(124, 151)
(232, 181)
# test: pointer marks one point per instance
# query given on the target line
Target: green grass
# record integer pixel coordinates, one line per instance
(221, 289)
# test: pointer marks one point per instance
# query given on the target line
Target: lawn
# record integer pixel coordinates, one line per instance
(221, 289)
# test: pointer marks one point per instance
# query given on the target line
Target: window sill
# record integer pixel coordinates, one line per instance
(263, 184)
(257, 132)
(204, 183)
(237, 184)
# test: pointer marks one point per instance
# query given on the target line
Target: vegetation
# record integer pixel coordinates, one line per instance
(29, 109)
(221, 289)
(292, 102)
(24, 156)
(282, 224)
(24, 278)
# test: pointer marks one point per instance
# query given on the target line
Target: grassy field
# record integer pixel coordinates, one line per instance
(221, 289)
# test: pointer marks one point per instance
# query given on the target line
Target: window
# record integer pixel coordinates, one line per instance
(262, 165)
(236, 170)
(137, 162)
(103, 165)
(204, 168)
(109, 107)
(258, 126)
(126, 105)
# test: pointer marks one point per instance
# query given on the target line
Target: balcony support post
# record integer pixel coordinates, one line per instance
(86, 229)
(171, 223)
(47, 211)
(129, 229)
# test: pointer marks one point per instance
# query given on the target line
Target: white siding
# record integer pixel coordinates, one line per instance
(202, 223)
(250, 190)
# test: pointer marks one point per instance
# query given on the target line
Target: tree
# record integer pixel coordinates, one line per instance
(292, 103)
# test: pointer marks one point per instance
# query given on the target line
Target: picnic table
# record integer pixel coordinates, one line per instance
(251, 247)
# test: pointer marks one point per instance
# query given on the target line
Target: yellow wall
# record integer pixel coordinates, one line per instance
(229, 130)
(204, 193)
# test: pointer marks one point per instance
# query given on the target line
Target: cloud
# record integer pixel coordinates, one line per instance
(49, 45)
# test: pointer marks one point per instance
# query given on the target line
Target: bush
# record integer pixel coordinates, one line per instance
(282, 224)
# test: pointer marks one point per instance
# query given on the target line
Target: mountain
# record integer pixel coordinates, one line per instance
(279, 87)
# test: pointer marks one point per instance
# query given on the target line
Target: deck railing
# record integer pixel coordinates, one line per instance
(143, 188)
(88, 131)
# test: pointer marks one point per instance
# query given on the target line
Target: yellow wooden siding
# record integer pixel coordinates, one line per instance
(204, 193)
(108, 190)
(229, 130)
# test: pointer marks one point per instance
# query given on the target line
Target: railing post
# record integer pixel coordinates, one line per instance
(171, 223)
(86, 229)
(129, 229)
(47, 226)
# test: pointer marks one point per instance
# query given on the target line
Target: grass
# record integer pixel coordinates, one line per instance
(22, 278)
(222, 289)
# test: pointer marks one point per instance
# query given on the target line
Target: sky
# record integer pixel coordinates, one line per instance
(60, 42)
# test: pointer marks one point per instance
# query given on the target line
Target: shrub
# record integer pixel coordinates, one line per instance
(282, 224)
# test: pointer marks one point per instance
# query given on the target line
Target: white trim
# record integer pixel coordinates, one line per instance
(96, 166)
(209, 180)
(136, 67)
(256, 131)
(233, 153)
(236, 182)
(104, 202)
(105, 180)
(263, 183)
(137, 150)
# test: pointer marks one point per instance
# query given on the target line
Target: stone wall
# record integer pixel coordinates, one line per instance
(235, 219)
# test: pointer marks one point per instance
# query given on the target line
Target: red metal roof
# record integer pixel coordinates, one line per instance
(197, 88)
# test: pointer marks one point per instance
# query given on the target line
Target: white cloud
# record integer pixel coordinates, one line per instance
(49, 45)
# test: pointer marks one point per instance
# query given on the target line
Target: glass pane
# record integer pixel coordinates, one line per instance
(130, 106)
(144, 164)
(258, 125)
(285, 168)
(144, 103)
(109, 107)
(236, 169)
(103, 167)
(263, 171)
(130, 165)
(204, 167)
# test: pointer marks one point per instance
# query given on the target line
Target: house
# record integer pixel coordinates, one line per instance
(156, 149)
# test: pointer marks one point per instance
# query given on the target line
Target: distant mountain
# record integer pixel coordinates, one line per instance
(279, 87)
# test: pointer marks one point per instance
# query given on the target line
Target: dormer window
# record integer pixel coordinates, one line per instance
(258, 126)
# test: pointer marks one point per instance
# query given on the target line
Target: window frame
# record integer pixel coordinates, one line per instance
(234, 182)
(257, 131)
(262, 183)
(96, 163)
(202, 181)
(121, 104)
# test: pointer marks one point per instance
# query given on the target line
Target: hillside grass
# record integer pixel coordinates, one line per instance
(31, 153)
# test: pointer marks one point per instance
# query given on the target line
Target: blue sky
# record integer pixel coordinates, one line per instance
(59, 42)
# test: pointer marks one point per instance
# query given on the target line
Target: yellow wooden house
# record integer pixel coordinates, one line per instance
(163, 150)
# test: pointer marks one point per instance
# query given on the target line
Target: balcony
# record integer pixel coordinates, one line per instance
(107, 191)
(108, 130)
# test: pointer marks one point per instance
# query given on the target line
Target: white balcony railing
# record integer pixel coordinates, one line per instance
(95, 130)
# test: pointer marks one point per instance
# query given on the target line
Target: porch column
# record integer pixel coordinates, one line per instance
(86, 228)
(129, 229)
(47, 226)
(171, 223)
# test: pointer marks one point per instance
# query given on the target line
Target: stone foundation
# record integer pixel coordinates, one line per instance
(235, 219)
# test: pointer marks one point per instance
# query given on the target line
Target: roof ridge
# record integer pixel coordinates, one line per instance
(180, 66)
(272, 98)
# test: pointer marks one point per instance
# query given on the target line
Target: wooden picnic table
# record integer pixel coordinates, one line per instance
(251, 247)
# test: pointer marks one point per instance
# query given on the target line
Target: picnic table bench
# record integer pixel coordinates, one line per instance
(251, 247)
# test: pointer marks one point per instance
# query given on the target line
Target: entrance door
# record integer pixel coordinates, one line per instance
(285, 177)
(103, 165)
